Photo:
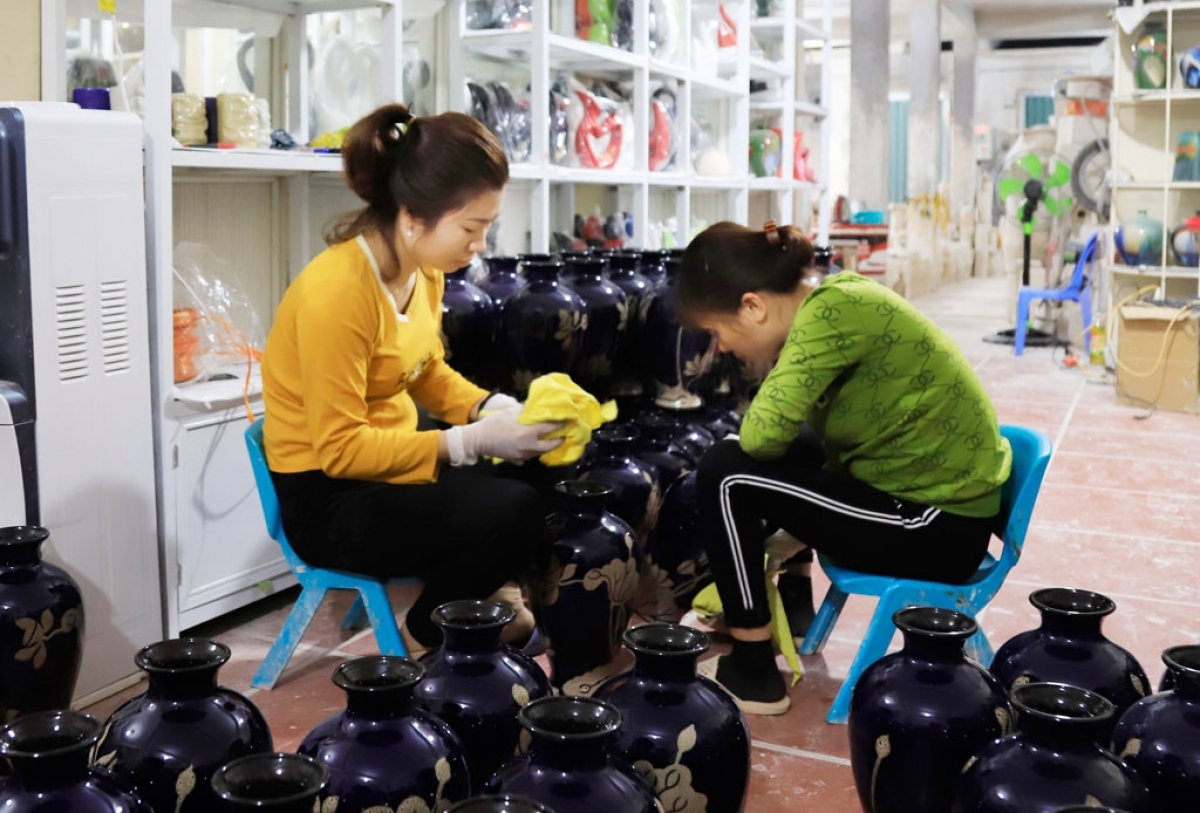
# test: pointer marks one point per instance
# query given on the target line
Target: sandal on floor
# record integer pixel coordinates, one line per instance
(765, 708)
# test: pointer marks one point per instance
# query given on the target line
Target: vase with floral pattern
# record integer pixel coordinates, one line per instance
(543, 325)
(623, 272)
(637, 492)
(674, 565)
(468, 326)
(679, 357)
(606, 311)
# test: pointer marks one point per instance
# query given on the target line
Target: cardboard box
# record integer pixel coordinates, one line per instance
(1172, 383)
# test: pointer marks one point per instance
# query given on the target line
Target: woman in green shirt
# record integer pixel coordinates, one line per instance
(871, 439)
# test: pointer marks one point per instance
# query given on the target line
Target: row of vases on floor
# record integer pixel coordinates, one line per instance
(473, 719)
(1062, 718)
(606, 319)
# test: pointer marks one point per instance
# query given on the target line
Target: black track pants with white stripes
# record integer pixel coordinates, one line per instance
(743, 500)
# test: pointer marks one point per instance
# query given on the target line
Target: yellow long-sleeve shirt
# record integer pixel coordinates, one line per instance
(342, 370)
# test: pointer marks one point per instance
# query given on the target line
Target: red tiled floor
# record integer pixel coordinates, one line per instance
(1119, 514)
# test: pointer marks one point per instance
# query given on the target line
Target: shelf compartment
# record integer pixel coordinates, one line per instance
(713, 87)
(771, 28)
(277, 161)
(566, 53)
(718, 184)
(599, 177)
(815, 111)
(671, 178)
(765, 70)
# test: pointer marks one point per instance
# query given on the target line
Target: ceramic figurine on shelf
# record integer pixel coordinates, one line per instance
(1185, 241)
(1189, 68)
(1139, 240)
(1150, 58)
(766, 153)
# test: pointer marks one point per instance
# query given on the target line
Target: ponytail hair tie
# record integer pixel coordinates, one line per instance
(772, 232)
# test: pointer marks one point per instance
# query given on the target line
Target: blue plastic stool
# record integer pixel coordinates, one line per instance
(316, 582)
(1031, 454)
(1078, 290)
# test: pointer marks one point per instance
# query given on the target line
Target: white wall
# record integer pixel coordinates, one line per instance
(20, 50)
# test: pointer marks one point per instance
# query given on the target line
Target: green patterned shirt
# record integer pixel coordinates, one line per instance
(893, 398)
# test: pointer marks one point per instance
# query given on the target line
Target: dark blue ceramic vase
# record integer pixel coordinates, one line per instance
(675, 564)
(49, 752)
(1069, 648)
(630, 364)
(918, 714)
(502, 282)
(660, 453)
(687, 436)
(169, 742)
(678, 357)
(569, 765)
(543, 325)
(681, 731)
(383, 750)
(468, 325)
(499, 804)
(1159, 736)
(606, 314)
(41, 626)
(476, 684)
(592, 580)
(280, 783)
(1054, 760)
(636, 490)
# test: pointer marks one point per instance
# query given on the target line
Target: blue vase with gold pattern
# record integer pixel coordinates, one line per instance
(543, 325)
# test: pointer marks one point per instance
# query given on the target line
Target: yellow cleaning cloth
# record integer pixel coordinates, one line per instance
(555, 397)
(708, 603)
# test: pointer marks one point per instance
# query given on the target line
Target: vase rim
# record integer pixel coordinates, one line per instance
(1185, 658)
(583, 488)
(1072, 601)
(377, 674)
(935, 622)
(580, 718)
(667, 640)
(69, 731)
(473, 614)
(499, 804)
(231, 779)
(21, 535)
(1061, 703)
(179, 656)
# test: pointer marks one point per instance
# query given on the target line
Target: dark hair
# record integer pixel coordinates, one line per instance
(727, 261)
(429, 165)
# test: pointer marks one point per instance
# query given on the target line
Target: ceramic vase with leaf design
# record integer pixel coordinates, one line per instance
(1159, 736)
(675, 564)
(41, 626)
(468, 326)
(636, 490)
(1054, 760)
(918, 714)
(170, 741)
(543, 324)
(592, 579)
(280, 783)
(49, 753)
(683, 732)
(384, 751)
(476, 684)
(1069, 647)
(502, 282)
(623, 272)
(570, 765)
(499, 804)
(682, 427)
(678, 357)
(607, 313)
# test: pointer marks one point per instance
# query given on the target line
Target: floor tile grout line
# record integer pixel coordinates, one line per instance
(1062, 429)
(1112, 594)
(799, 752)
(1073, 453)
(1111, 490)
(1072, 529)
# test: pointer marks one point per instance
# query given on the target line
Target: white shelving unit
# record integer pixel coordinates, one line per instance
(536, 56)
(1145, 130)
(254, 207)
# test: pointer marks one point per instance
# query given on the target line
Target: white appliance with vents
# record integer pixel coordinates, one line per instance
(74, 344)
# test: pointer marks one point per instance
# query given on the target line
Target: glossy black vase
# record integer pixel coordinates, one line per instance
(49, 753)
(1069, 648)
(501, 283)
(917, 714)
(469, 321)
(499, 804)
(41, 626)
(623, 272)
(1159, 736)
(476, 684)
(383, 750)
(675, 563)
(569, 765)
(606, 312)
(678, 357)
(543, 325)
(636, 490)
(1054, 760)
(593, 578)
(169, 742)
(681, 427)
(681, 731)
(279, 783)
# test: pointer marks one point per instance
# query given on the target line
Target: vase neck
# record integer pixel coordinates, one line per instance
(588, 753)
(1060, 623)
(933, 647)
(22, 546)
(183, 685)
(671, 667)
(1187, 684)
(45, 772)
(474, 640)
(1062, 734)
(379, 705)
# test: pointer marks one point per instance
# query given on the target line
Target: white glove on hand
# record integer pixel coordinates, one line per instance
(499, 435)
(498, 402)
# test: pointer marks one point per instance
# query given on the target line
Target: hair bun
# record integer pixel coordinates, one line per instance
(369, 152)
(794, 242)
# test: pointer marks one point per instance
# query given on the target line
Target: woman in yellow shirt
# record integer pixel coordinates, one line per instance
(354, 350)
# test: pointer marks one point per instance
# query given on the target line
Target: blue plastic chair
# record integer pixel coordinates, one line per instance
(1078, 290)
(1030, 456)
(316, 582)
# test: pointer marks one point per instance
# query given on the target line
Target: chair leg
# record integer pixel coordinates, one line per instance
(1085, 306)
(822, 626)
(356, 616)
(1022, 323)
(383, 620)
(293, 630)
(874, 646)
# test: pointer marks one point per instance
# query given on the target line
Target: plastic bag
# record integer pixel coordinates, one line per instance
(602, 128)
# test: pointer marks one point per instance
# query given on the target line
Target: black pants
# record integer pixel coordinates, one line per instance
(743, 500)
(465, 535)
